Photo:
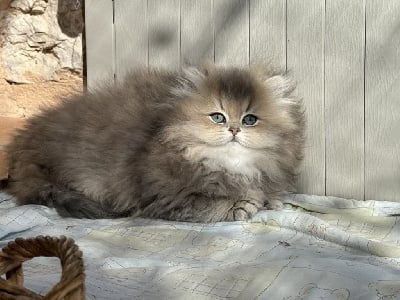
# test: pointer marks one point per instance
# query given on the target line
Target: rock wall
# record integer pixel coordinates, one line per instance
(40, 38)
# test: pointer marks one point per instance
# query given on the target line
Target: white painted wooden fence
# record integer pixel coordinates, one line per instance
(344, 53)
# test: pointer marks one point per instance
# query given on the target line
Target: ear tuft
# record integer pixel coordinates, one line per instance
(193, 75)
(281, 85)
(189, 82)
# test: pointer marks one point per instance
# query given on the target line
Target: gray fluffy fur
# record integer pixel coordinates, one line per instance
(148, 147)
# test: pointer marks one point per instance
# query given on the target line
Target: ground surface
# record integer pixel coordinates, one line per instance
(20, 101)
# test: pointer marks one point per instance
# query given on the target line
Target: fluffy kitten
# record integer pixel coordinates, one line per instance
(197, 145)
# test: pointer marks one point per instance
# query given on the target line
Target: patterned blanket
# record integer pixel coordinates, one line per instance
(316, 248)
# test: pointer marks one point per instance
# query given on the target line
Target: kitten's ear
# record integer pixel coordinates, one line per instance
(281, 85)
(209, 68)
(195, 76)
(189, 82)
(277, 80)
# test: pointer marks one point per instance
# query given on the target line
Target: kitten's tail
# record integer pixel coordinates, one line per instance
(3, 184)
(77, 205)
(70, 203)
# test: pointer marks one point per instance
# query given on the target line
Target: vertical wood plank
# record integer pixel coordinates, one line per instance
(382, 100)
(197, 32)
(344, 98)
(99, 42)
(164, 33)
(231, 19)
(305, 57)
(131, 43)
(268, 32)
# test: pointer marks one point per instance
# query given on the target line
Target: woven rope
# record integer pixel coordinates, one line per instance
(72, 282)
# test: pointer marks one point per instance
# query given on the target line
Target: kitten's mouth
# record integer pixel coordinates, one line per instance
(235, 141)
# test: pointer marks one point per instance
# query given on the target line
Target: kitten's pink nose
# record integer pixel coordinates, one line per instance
(234, 130)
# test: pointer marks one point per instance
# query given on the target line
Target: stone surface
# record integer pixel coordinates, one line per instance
(7, 129)
(40, 38)
(40, 44)
(24, 100)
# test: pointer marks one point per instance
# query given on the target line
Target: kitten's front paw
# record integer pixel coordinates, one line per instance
(243, 210)
(274, 204)
(239, 214)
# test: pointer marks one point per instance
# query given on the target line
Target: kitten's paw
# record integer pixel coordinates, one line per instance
(239, 214)
(274, 205)
(243, 210)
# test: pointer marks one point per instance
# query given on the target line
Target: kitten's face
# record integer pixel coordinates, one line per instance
(218, 120)
(230, 108)
(232, 119)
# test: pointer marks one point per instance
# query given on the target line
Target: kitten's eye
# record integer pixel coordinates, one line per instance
(249, 120)
(218, 118)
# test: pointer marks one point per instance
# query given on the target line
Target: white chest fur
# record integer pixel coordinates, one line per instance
(232, 157)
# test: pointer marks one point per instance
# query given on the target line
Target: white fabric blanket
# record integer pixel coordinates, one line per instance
(316, 248)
